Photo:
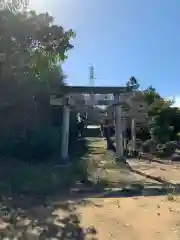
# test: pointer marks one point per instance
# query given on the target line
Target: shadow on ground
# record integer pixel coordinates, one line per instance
(34, 205)
(22, 219)
(129, 190)
(34, 200)
(17, 177)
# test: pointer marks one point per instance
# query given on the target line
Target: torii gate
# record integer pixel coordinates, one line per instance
(121, 94)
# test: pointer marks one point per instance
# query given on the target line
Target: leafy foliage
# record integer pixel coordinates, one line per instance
(150, 95)
(14, 5)
(132, 84)
(170, 148)
(32, 49)
(30, 42)
(163, 119)
(149, 146)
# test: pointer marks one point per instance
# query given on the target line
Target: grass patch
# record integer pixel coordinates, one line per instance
(28, 179)
(17, 177)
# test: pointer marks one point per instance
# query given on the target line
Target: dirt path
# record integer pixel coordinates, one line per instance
(104, 167)
(167, 171)
(151, 218)
(140, 218)
(131, 218)
(113, 215)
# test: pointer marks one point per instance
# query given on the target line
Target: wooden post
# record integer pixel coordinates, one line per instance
(133, 135)
(124, 134)
(65, 133)
(118, 129)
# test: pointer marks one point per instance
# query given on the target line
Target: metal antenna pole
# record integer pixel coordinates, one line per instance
(91, 82)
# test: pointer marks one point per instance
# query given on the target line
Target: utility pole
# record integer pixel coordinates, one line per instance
(91, 83)
(91, 76)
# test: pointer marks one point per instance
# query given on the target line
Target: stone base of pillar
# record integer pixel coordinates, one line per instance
(121, 159)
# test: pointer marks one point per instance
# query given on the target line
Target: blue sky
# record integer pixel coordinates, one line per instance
(121, 38)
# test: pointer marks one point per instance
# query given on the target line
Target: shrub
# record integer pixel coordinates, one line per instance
(149, 146)
(170, 148)
(38, 144)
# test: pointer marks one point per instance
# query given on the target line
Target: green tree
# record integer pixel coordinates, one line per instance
(151, 95)
(14, 5)
(132, 84)
(32, 49)
(163, 119)
(164, 122)
(36, 43)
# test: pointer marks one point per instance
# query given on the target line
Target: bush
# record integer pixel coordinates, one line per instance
(38, 144)
(170, 148)
(149, 146)
(81, 170)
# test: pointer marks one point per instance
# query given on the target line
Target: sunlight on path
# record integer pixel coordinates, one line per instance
(106, 168)
(131, 218)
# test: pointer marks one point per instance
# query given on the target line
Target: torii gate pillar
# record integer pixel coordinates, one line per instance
(118, 128)
(65, 132)
(133, 135)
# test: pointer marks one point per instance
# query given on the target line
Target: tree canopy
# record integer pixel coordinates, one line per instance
(163, 119)
(32, 48)
(36, 43)
(132, 84)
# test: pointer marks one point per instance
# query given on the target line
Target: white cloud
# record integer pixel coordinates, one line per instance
(176, 100)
